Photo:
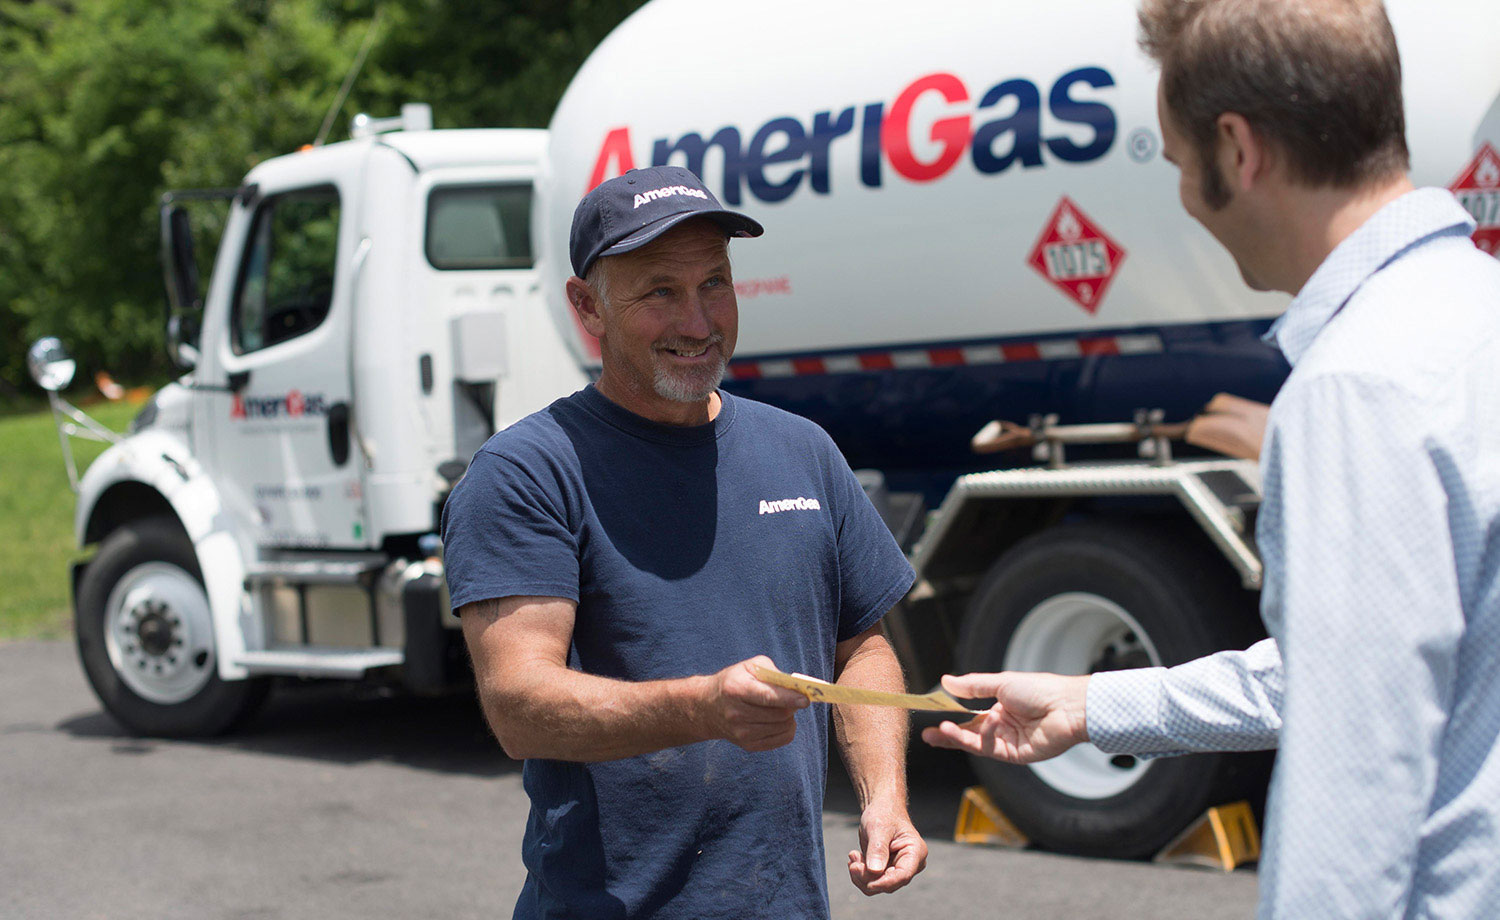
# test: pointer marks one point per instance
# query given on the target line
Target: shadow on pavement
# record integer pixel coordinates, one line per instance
(345, 724)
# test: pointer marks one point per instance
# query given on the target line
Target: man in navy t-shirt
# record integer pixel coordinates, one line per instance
(624, 557)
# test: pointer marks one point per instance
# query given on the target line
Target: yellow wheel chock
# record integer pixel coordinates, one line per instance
(981, 821)
(1223, 838)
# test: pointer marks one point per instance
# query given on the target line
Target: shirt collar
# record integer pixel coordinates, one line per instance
(1392, 232)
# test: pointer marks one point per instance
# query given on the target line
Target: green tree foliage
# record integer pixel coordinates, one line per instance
(105, 104)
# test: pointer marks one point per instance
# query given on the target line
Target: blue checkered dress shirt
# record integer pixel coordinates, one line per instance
(1380, 532)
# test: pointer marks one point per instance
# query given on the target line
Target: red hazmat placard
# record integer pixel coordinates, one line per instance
(1076, 256)
(1478, 190)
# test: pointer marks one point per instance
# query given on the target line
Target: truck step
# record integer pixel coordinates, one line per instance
(344, 663)
(313, 572)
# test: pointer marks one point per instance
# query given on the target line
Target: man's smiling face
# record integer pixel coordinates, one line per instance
(670, 322)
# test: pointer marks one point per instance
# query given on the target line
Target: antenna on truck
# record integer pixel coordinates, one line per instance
(359, 62)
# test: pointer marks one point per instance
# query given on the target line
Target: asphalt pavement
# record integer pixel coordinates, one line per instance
(341, 802)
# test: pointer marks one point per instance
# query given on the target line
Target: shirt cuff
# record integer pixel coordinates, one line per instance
(1123, 712)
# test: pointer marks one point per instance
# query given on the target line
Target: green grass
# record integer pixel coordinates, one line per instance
(36, 520)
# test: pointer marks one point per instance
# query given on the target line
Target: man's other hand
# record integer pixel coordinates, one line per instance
(749, 712)
(891, 851)
(1230, 425)
(1035, 716)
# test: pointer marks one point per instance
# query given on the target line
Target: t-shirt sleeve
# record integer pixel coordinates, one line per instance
(505, 533)
(873, 572)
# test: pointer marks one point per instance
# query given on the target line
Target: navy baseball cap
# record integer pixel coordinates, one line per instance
(629, 211)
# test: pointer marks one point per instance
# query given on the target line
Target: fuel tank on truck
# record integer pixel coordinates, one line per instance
(967, 212)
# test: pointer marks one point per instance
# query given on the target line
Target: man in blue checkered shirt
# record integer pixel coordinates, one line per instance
(1380, 526)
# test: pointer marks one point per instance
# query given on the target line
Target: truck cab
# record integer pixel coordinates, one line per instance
(372, 316)
(359, 333)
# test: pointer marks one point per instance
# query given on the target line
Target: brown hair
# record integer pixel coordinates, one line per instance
(1320, 79)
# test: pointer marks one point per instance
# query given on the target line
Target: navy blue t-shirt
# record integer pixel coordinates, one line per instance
(687, 550)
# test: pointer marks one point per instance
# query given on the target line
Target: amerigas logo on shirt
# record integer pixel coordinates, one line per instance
(790, 504)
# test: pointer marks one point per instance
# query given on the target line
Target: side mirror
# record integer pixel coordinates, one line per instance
(182, 336)
(50, 364)
(52, 368)
(181, 268)
(179, 264)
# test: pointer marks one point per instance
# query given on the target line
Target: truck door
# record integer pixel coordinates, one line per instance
(283, 448)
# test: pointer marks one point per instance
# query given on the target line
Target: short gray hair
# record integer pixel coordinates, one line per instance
(595, 280)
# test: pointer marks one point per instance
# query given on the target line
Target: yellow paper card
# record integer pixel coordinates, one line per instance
(821, 691)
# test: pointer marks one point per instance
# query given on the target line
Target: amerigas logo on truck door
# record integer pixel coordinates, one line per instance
(292, 405)
(884, 135)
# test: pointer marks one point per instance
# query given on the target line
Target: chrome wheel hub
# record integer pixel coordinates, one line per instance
(158, 632)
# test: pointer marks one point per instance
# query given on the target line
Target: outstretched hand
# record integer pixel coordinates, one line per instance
(1035, 716)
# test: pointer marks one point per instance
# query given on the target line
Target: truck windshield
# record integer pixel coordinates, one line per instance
(479, 226)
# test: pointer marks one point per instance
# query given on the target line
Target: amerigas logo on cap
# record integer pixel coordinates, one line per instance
(667, 192)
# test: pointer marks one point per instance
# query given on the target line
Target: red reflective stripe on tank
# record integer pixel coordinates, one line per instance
(748, 371)
(1098, 346)
(1026, 352)
(808, 366)
(945, 357)
(876, 361)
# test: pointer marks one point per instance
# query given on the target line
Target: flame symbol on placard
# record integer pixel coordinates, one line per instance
(1067, 225)
(1488, 173)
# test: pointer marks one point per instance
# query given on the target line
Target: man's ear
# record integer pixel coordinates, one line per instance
(1243, 157)
(586, 305)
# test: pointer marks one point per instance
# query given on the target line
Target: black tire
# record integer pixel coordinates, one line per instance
(1188, 604)
(176, 662)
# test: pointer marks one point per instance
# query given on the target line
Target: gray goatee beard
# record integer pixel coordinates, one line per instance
(689, 385)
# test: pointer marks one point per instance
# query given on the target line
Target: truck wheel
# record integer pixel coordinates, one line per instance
(145, 636)
(1083, 598)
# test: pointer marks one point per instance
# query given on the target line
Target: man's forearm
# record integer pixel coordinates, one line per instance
(557, 713)
(872, 739)
(538, 707)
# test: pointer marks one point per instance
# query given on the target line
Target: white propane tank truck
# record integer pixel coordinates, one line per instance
(967, 218)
